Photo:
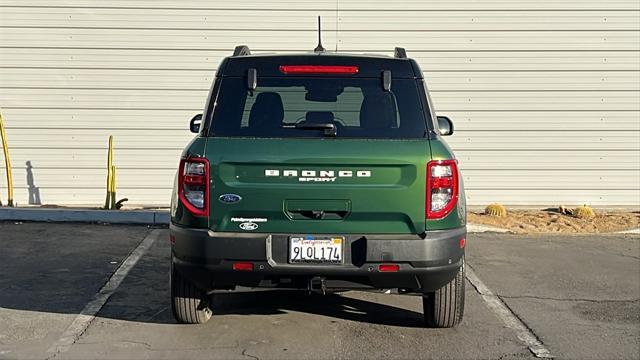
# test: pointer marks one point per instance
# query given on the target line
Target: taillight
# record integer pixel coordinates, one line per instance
(442, 188)
(318, 69)
(193, 185)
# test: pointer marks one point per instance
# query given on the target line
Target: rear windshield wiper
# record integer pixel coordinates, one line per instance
(329, 129)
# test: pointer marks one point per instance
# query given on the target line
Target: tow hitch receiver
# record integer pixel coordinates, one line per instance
(318, 285)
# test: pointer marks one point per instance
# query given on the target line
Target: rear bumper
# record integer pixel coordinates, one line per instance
(426, 262)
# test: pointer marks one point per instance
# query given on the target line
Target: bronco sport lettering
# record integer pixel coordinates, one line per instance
(318, 176)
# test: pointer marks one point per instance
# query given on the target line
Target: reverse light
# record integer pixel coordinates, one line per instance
(442, 188)
(318, 69)
(193, 185)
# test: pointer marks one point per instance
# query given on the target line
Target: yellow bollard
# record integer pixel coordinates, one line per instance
(113, 187)
(7, 162)
(107, 202)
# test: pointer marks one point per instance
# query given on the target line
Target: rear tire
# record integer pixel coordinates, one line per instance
(444, 307)
(189, 304)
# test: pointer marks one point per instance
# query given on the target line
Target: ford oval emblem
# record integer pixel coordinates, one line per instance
(229, 198)
(248, 226)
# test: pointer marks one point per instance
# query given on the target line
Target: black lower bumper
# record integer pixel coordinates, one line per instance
(425, 262)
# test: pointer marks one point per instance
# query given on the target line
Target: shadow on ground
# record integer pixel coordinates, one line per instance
(144, 297)
(59, 268)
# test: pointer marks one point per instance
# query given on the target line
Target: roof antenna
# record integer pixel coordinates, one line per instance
(319, 48)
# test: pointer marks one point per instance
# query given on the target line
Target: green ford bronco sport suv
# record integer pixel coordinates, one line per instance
(320, 172)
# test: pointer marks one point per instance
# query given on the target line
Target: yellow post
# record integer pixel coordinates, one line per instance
(107, 202)
(7, 162)
(113, 187)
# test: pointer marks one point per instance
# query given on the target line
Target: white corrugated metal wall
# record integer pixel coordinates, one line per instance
(545, 94)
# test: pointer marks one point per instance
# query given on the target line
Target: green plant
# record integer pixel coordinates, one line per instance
(496, 210)
(584, 212)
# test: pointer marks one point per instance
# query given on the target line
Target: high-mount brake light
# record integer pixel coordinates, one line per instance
(193, 185)
(442, 188)
(319, 69)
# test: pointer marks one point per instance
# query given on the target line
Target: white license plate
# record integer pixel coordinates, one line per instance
(311, 249)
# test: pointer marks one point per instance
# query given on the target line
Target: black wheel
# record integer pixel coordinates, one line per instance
(189, 304)
(444, 307)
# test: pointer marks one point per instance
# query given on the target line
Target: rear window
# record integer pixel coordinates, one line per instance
(305, 107)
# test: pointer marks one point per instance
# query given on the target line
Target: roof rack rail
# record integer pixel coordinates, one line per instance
(399, 53)
(241, 50)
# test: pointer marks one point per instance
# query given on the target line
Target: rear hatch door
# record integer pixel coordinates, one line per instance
(318, 186)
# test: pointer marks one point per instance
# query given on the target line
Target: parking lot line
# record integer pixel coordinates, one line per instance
(86, 316)
(507, 316)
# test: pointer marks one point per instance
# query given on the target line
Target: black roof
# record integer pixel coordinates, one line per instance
(368, 65)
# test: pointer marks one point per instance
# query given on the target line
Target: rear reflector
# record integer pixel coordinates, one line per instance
(462, 243)
(318, 69)
(388, 268)
(243, 266)
(172, 238)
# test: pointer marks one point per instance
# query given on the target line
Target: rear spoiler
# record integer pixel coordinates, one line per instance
(243, 50)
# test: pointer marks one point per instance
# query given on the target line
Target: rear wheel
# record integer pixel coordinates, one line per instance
(189, 304)
(444, 307)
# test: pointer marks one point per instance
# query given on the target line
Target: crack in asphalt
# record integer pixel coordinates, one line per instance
(158, 313)
(565, 299)
(512, 356)
(244, 353)
(630, 256)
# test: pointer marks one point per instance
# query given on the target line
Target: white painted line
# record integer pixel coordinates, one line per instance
(86, 316)
(508, 317)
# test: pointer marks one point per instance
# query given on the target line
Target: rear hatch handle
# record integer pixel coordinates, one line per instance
(317, 214)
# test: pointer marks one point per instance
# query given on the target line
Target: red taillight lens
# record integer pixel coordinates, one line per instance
(193, 185)
(318, 69)
(442, 188)
(388, 267)
(243, 266)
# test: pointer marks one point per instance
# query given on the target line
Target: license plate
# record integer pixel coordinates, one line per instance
(311, 249)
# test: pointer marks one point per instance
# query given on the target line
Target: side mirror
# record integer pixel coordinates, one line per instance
(194, 124)
(445, 126)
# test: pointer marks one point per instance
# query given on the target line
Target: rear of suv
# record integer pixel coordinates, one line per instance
(318, 172)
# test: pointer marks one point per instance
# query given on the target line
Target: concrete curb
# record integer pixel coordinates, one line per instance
(148, 217)
(632, 231)
(478, 228)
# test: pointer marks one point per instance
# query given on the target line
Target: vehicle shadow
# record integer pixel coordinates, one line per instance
(59, 269)
(338, 306)
(144, 297)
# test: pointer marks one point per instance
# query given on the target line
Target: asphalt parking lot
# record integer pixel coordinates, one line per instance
(578, 295)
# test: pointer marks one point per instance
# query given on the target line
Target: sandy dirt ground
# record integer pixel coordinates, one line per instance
(549, 221)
